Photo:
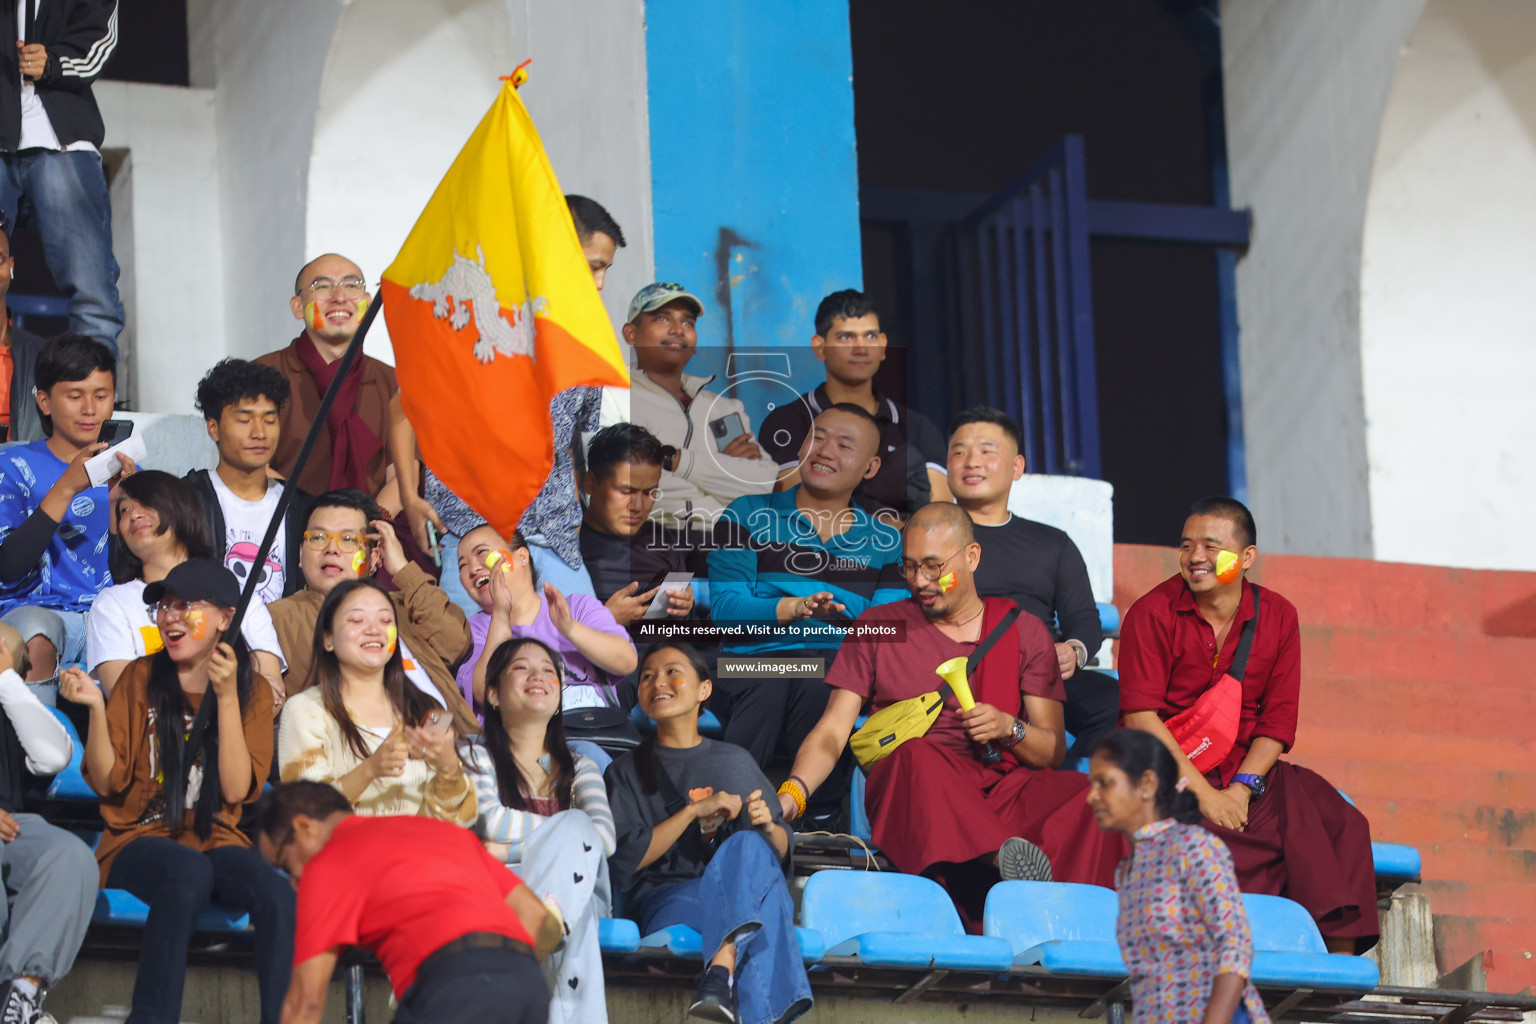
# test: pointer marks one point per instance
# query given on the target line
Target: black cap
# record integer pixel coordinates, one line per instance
(197, 579)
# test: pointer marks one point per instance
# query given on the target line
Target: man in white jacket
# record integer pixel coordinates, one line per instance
(52, 873)
(716, 458)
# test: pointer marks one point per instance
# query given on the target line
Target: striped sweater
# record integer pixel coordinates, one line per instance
(501, 824)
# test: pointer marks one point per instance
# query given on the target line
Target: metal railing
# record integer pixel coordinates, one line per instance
(1019, 313)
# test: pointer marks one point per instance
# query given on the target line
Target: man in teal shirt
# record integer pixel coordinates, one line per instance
(803, 563)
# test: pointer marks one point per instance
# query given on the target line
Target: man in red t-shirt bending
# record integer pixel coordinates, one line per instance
(1290, 832)
(452, 926)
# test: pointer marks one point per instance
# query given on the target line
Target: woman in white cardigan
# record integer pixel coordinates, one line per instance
(365, 728)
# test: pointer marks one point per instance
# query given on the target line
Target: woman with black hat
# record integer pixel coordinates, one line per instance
(183, 744)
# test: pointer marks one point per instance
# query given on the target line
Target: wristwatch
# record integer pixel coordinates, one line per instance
(1255, 783)
(1017, 736)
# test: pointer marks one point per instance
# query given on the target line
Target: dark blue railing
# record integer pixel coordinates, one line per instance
(1020, 315)
(23, 306)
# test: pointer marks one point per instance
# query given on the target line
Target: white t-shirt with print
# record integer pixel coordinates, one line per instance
(121, 627)
(245, 524)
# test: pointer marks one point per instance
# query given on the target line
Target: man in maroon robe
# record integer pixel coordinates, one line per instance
(935, 807)
(1290, 832)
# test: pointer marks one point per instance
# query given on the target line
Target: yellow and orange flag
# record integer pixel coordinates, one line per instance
(492, 312)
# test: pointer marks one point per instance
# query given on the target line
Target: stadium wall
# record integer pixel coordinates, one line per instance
(1417, 702)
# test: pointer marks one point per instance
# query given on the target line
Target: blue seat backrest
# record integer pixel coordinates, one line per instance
(70, 783)
(1280, 925)
(858, 814)
(1109, 619)
(844, 904)
(1029, 913)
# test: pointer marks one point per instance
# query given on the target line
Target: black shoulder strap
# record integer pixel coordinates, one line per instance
(1245, 641)
(985, 646)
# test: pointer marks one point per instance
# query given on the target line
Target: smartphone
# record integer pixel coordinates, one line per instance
(437, 723)
(657, 609)
(432, 546)
(727, 429)
(114, 431)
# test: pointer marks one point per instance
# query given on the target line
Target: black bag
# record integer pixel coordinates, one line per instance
(610, 728)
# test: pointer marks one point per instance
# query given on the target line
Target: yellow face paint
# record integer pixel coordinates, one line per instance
(491, 559)
(358, 560)
(362, 307)
(1228, 567)
(312, 316)
(197, 624)
(501, 558)
(391, 638)
(947, 582)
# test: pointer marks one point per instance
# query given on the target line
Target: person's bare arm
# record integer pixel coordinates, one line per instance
(305, 1001)
(235, 772)
(270, 669)
(819, 753)
(613, 654)
(1262, 754)
(938, 486)
(98, 759)
(665, 835)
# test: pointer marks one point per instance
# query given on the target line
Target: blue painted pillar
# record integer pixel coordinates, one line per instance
(754, 170)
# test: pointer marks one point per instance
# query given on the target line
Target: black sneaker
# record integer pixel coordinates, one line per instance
(20, 1008)
(1021, 859)
(714, 1001)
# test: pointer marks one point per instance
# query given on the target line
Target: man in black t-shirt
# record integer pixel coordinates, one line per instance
(1035, 565)
(849, 340)
(626, 553)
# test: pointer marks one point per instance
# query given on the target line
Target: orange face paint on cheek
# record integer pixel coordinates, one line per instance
(391, 638)
(358, 560)
(1228, 567)
(312, 316)
(197, 624)
(947, 582)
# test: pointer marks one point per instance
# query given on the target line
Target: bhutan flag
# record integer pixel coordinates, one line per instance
(493, 312)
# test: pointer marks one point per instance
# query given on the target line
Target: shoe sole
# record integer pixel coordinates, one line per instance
(711, 1011)
(1021, 860)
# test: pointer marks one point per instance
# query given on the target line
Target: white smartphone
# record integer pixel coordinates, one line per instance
(659, 604)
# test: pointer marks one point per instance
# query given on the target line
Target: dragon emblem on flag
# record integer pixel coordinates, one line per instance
(467, 292)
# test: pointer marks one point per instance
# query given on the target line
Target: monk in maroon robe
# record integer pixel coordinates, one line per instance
(934, 807)
(1290, 832)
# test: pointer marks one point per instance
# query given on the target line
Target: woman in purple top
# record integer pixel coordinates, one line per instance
(1182, 928)
(499, 575)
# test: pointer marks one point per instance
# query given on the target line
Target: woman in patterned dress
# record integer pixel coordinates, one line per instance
(1182, 927)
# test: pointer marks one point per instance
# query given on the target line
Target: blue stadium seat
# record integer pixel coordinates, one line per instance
(892, 920)
(1066, 927)
(709, 725)
(858, 817)
(1288, 950)
(119, 907)
(617, 935)
(69, 784)
(1109, 619)
(1396, 862)
(682, 941)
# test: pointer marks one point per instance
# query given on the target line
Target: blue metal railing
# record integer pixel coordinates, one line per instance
(23, 306)
(1020, 314)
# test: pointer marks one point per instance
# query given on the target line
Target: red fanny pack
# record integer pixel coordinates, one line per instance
(1207, 731)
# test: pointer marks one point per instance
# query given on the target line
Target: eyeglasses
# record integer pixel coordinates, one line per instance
(928, 568)
(346, 542)
(174, 607)
(347, 287)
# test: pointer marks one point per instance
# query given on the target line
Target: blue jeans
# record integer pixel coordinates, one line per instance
(742, 893)
(177, 882)
(549, 568)
(448, 551)
(64, 196)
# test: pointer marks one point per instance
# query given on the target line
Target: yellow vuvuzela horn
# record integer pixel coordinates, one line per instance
(953, 672)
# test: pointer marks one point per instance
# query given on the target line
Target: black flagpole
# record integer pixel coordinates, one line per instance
(351, 355)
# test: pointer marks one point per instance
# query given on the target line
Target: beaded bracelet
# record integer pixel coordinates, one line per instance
(796, 793)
